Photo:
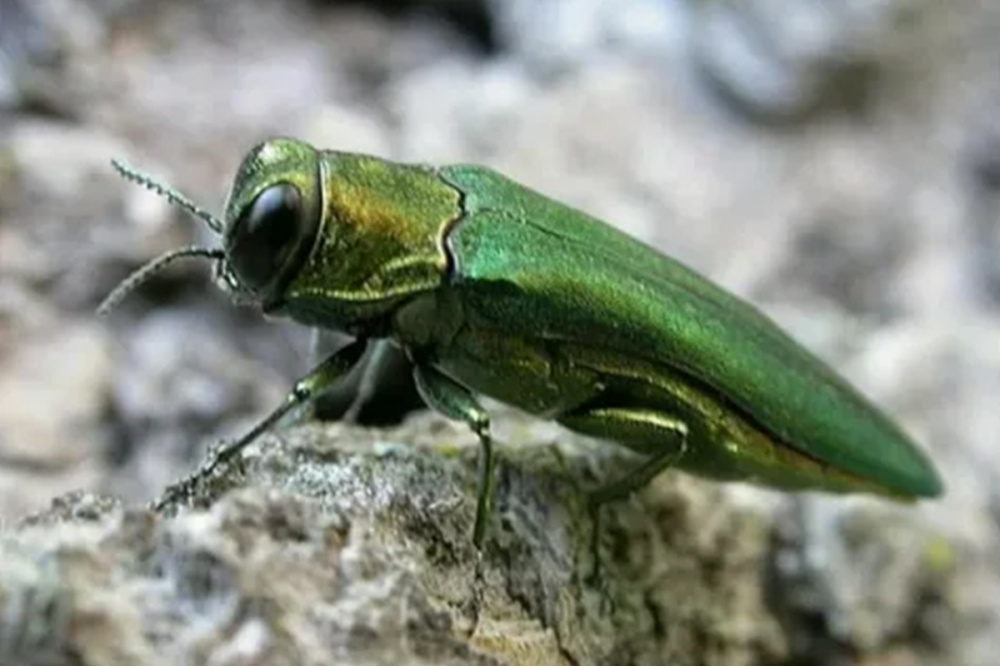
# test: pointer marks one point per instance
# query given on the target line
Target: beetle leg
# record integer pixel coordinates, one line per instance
(638, 428)
(647, 430)
(378, 390)
(318, 340)
(368, 384)
(447, 397)
(334, 400)
(306, 389)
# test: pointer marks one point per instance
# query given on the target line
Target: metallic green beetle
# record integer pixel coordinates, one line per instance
(491, 288)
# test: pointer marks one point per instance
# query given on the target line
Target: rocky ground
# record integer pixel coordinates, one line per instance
(836, 163)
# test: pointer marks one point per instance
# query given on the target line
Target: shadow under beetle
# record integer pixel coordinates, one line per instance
(491, 288)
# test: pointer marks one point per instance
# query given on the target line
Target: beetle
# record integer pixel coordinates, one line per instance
(492, 288)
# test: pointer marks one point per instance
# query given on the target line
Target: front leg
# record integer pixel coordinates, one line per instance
(451, 399)
(377, 391)
(305, 390)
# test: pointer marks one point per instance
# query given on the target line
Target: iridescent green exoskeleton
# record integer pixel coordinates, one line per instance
(491, 288)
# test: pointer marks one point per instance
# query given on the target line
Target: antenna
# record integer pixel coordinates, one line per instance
(168, 193)
(143, 273)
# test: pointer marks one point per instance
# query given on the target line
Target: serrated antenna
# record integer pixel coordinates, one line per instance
(170, 194)
(143, 273)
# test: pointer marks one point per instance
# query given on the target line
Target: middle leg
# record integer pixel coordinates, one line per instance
(451, 399)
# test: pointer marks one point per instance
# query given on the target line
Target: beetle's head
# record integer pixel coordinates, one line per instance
(272, 218)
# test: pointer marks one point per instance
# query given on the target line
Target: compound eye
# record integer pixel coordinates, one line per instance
(266, 234)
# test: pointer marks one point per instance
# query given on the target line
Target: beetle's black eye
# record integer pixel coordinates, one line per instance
(265, 236)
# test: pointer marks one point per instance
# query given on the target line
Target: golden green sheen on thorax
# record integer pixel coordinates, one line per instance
(382, 233)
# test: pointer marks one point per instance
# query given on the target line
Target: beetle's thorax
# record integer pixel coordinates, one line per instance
(381, 240)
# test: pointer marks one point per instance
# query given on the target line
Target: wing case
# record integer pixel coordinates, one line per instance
(550, 269)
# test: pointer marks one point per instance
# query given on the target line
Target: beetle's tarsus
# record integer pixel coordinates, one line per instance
(304, 391)
(621, 489)
(595, 576)
(596, 579)
(477, 595)
(184, 490)
(645, 427)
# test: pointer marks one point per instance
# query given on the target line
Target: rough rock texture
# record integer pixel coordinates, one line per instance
(837, 163)
(336, 545)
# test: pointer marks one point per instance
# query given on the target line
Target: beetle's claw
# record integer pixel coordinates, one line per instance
(474, 606)
(177, 493)
(183, 491)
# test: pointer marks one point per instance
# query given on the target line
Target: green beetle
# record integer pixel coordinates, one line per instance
(491, 288)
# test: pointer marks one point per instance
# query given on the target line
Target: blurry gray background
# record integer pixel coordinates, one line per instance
(837, 162)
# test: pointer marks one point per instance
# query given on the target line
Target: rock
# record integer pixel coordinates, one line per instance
(53, 395)
(331, 544)
(784, 63)
(50, 389)
(556, 37)
(45, 48)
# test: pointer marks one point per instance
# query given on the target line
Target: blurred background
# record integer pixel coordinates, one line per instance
(837, 162)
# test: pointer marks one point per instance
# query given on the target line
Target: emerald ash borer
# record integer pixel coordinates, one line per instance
(492, 288)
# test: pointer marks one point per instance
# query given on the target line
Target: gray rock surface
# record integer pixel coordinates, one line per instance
(333, 545)
(843, 177)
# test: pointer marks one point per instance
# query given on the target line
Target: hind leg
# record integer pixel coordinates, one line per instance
(655, 431)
